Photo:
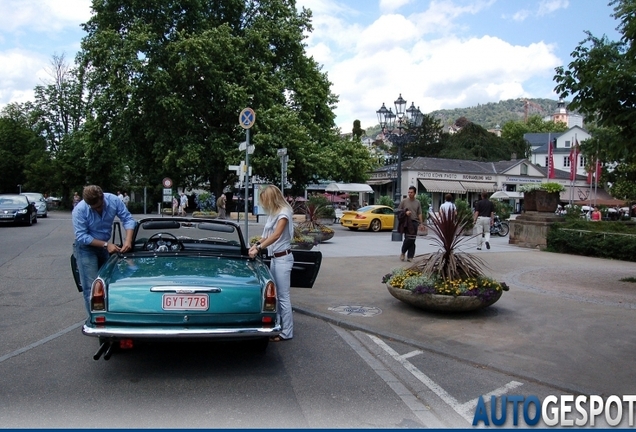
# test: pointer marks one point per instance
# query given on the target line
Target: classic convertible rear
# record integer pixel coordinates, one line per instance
(188, 278)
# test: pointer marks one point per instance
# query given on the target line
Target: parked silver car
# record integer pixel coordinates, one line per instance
(40, 203)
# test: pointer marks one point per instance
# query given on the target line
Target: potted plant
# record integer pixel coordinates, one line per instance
(548, 197)
(465, 213)
(529, 196)
(446, 280)
(316, 208)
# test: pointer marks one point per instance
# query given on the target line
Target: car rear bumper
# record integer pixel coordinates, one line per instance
(182, 332)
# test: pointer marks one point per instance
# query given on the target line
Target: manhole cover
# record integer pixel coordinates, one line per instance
(355, 310)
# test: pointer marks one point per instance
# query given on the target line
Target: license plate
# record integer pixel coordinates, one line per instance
(6, 216)
(347, 222)
(185, 302)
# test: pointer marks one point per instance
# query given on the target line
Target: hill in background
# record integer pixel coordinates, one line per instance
(491, 114)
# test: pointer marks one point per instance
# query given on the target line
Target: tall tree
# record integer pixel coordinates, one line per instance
(20, 150)
(602, 82)
(428, 140)
(474, 142)
(170, 77)
(513, 132)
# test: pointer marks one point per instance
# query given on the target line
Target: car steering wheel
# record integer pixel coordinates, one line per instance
(157, 243)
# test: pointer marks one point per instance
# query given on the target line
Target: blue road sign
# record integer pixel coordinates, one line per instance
(247, 118)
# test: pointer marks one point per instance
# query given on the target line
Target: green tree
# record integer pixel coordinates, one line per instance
(169, 80)
(473, 142)
(21, 151)
(602, 83)
(429, 139)
(513, 132)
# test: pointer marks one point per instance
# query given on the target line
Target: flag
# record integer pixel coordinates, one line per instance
(550, 160)
(574, 155)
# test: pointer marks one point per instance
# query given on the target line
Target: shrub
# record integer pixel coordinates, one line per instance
(613, 240)
(205, 201)
(425, 201)
(465, 211)
(387, 201)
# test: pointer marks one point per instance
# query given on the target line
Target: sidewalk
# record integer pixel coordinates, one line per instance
(567, 320)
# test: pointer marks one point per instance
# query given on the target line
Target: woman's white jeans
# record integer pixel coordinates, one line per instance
(281, 271)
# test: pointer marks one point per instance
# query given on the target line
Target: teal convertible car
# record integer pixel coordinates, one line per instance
(187, 278)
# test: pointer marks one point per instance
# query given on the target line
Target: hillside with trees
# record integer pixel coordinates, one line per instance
(488, 115)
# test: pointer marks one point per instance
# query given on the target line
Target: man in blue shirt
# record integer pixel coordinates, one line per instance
(92, 222)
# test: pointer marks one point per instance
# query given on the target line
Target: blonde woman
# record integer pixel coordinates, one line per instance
(277, 236)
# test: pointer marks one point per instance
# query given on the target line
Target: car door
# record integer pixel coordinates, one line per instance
(306, 267)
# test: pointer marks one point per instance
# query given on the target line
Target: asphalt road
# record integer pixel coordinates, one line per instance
(326, 377)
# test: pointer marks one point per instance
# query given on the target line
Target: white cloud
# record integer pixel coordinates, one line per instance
(388, 6)
(546, 7)
(21, 71)
(43, 16)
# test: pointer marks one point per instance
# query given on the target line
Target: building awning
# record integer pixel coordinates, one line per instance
(478, 186)
(348, 187)
(379, 182)
(445, 186)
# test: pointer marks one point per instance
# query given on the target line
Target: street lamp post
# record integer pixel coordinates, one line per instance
(395, 134)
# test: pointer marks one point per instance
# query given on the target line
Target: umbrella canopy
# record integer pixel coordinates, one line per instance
(500, 195)
(335, 198)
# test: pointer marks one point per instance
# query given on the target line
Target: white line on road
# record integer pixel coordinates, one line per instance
(40, 342)
(461, 409)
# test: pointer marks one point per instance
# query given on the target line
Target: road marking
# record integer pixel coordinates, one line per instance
(461, 409)
(422, 412)
(40, 342)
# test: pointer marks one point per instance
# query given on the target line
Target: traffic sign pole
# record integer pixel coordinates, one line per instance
(247, 117)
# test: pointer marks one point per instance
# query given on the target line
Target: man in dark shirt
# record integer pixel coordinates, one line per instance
(413, 210)
(484, 217)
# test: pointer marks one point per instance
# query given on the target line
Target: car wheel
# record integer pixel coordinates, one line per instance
(376, 225)
(353, 229)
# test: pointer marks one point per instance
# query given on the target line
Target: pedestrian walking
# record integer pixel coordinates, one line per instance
(412, 211)
(220, 206)
(183, 204)
(448, 207)
(484, 217)
(276, 238)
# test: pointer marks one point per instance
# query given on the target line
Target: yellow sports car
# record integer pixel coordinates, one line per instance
(373, 217)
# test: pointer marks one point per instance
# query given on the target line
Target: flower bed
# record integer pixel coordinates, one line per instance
(433, 293)
(445, 280)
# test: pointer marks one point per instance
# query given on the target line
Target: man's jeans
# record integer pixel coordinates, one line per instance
(408, 245)
(89, 260)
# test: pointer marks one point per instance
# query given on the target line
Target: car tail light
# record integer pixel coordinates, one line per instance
(360, 216)
(270, 297)
(97, 295)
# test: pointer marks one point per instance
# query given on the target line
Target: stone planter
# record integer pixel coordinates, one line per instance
(302, 246)
(441, 303)
(530, 201)
(546, 201)
(318, 235)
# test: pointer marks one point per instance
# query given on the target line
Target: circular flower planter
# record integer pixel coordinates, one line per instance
(442, 303)
(302, 245)
(319, 235)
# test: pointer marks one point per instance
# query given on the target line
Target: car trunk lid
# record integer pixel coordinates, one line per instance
(196, 285)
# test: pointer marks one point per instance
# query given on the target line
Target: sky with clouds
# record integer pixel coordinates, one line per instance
(437, 53)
